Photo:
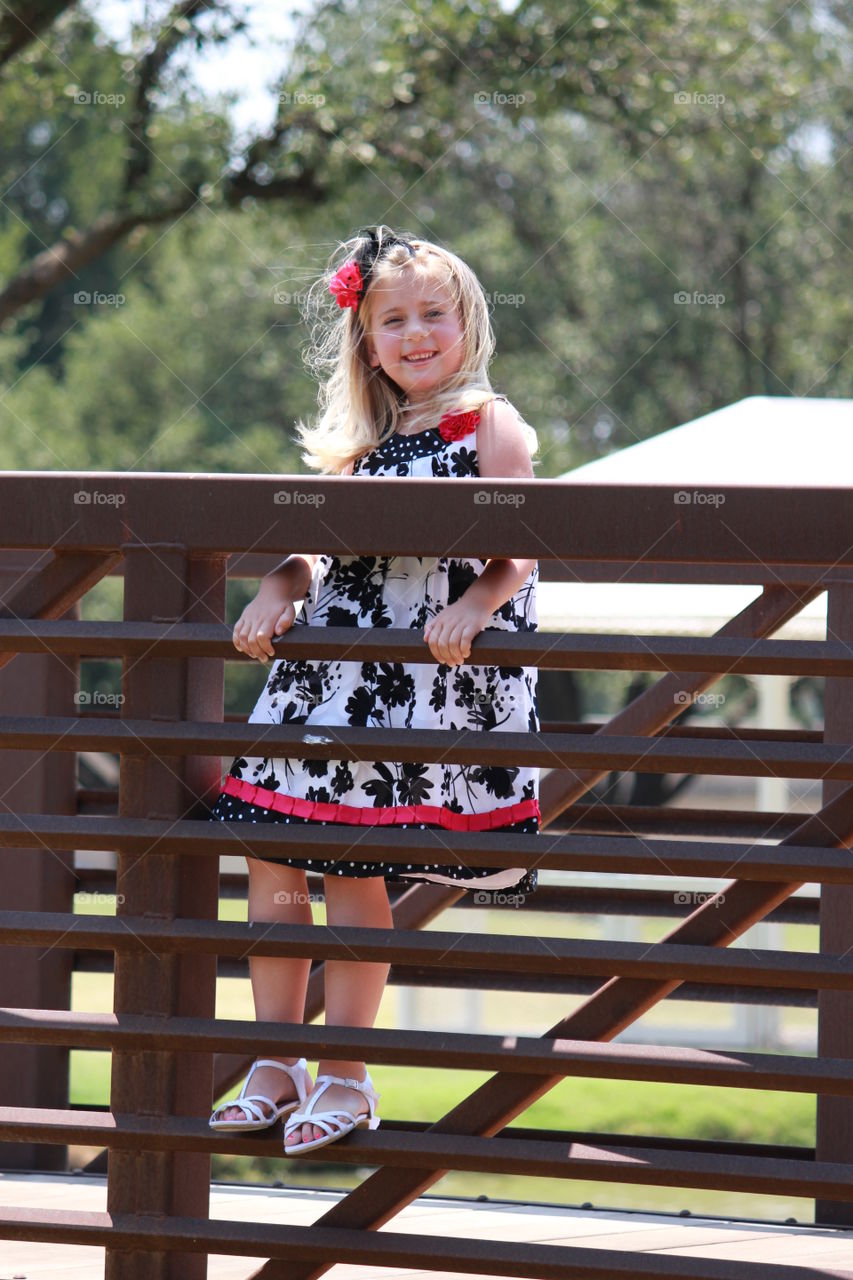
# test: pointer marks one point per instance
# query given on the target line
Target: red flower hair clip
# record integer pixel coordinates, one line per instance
(347, 285)
(455, 426)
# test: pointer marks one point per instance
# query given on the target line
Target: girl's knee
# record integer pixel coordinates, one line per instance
(357, 899)
(277, 891)
(274, 872)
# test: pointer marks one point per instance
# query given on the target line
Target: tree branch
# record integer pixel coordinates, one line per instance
(54, 266)
(19, 29)
(177, 27)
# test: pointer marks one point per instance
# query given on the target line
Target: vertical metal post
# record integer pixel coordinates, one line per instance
(834, 1139)
(35, 880)
(165, 584)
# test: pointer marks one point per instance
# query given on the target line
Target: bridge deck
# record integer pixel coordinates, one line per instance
(828, 1251)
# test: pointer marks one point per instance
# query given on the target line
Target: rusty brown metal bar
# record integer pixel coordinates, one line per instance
(39, 879)
(549, 651)
(137, 936)
(164, 584)
(49, 592)
(813, 531)
(183, 1133)
(672, 1064)
(314, 1245)
(564, 1156)
(604, 752)
(835, 1016)
(566, 852)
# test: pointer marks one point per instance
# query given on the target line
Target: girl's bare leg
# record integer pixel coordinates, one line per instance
(276, 893)
(353, 988)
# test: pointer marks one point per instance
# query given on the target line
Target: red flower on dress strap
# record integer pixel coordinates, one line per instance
(346, 284)
(454, 426)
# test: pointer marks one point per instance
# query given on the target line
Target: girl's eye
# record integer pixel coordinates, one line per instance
(394, 319)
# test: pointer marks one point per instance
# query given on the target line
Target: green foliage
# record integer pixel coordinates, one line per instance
(553, 154)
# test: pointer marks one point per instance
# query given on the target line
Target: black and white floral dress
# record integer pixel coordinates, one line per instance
(398, 591)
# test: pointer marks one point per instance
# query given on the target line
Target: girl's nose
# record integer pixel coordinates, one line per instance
(414, 329)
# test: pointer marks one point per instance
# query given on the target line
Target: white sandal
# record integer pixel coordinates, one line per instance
(331, 1120)
(255, 1116)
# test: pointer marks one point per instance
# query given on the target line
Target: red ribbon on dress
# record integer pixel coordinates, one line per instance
(381, 816)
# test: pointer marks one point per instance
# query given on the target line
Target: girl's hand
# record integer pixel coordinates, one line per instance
(267, 615)
(449, 633)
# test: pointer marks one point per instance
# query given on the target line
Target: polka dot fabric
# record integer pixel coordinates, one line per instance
(400, 591)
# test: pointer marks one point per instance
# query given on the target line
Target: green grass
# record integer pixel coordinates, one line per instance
(582, 1104)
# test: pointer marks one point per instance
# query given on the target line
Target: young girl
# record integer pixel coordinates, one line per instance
(406, 348)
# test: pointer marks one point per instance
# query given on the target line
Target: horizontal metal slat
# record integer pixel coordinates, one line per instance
(431, 1148)
(543, 1055)
(537, 954)
(172, 1130)
(232, 513)
(550, 651)
(634, 855)
(468, 746)
(386, 1248)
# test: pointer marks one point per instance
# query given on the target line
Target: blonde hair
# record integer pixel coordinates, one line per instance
(360, 406)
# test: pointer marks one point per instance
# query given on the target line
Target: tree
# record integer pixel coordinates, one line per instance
(590, 168)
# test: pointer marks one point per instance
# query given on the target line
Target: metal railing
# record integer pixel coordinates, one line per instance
(171, 536)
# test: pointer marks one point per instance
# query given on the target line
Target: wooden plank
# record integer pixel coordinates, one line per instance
(767, 1243)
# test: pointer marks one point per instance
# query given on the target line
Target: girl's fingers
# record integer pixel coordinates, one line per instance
(252, 639)
(263, 641)
(450, 645)
(455, 643)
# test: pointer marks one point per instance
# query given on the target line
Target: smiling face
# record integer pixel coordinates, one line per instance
(414, 333)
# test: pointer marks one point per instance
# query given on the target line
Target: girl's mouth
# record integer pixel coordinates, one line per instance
(420, 358)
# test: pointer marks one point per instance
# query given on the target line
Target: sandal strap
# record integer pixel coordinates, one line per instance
(307, 1115)
(288, 1068)
(323, 1119)
(251, 1106)
(332, 1121)
(301, 1064)
(364, 1086)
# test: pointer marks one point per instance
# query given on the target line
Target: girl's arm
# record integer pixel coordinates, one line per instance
(501, 452)
(291, 579)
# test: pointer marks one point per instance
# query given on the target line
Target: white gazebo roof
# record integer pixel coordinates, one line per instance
(801, 442)
(763, 440)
